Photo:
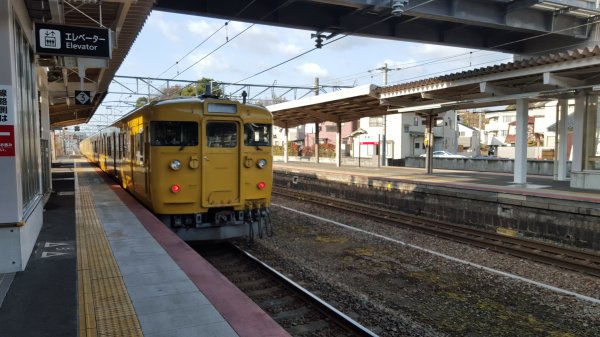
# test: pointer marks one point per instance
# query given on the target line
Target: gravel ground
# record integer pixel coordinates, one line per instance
(395, 290)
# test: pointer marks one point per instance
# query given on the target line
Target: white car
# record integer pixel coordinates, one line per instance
(444, 154)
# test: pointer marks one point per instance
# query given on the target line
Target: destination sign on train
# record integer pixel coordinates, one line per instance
(72, 41)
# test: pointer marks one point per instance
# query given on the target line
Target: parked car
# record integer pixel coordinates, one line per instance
(444, 154)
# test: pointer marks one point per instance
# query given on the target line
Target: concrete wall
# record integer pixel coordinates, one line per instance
(535, 167)
(346, 161)
(563, 221)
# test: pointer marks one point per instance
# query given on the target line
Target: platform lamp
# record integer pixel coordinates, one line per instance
(398, 7)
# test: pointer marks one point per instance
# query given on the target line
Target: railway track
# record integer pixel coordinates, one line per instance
(575, 260)
(293, 307)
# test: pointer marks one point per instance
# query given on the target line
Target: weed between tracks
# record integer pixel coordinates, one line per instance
(410, 293)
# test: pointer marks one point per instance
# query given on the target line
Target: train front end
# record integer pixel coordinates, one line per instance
(211, 168)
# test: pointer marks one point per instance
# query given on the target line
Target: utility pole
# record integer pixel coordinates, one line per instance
(316, 145)
(383, 153)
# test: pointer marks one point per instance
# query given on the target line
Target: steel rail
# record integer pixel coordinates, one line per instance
(336, 318)
(326, 308)
(575, 260)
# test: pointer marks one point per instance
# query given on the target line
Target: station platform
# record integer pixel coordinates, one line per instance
(541, 186)
(105, 266)
(543, 209)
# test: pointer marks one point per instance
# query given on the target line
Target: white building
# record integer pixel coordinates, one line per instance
(405, 135)
(294, 135)
(469, 139)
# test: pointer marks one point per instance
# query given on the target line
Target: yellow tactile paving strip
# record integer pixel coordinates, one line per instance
(104, 307)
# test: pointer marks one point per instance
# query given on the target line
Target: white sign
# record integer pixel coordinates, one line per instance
(50, 38)
(52, 249)
(51, 254)
(56, 244)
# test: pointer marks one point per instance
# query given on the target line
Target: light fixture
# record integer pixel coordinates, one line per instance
(175, 165)
(398, 7)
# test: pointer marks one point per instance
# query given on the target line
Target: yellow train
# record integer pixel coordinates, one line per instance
(202, 165)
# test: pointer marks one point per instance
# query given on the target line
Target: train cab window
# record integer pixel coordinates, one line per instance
(257, 134)
(221, 134)
(174, 133)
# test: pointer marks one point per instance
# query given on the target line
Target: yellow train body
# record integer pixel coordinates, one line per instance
(203, 166)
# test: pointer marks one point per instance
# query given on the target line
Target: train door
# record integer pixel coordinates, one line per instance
(114, 153)
(104, 152)
(220, 162)
(119, 155)
(139, 170)
(147, 161)
(131, 159)
(96, 155)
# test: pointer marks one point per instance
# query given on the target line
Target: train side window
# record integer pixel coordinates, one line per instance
(221, 134)
(174, 133)
(256, 134)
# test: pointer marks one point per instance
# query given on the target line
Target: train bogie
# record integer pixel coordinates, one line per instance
(203, 166)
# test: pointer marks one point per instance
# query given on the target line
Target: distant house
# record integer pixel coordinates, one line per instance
(533, 138)
(469, 139)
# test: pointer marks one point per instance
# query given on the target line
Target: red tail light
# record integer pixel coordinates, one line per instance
(261, 185)
(175, 188)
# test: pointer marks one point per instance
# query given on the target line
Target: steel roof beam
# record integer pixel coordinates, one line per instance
(490, 24)
(561, 81)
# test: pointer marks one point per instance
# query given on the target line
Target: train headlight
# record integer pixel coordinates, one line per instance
(175, 165)
(261, 163)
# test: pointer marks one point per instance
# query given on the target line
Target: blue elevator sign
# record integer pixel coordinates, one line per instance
(72, 41)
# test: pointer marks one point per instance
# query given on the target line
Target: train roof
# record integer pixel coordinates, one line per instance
(182, 100)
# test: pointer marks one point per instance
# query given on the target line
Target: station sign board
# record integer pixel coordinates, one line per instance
(83, 97)
(7, 128)
(72, 41)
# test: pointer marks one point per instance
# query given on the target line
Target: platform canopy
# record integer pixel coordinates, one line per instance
(125, 18)
(540, 78)
(339, 106)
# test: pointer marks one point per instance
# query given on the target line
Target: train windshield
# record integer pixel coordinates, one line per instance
(174, 133)
(257, 134)
(221, 134)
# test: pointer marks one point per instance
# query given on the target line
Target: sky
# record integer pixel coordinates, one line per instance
(177, 46)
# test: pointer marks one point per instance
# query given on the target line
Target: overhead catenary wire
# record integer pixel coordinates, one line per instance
(332, 41)
(193, 49)
(530, 38)
(432, 61)
(469, 53)
(404, 66)
(208, 38)
(235, 36)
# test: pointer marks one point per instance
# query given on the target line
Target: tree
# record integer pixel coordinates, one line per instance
(141, 101)
(190, 90)
(199, 88)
